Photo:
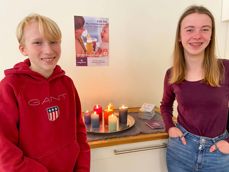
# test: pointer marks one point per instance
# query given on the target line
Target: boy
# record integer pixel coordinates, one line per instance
(41, 127)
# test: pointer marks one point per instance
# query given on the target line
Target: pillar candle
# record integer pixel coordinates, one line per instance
(106, 114)
(112, 123)
(87, 117)
(98, 109)
(123, 113)
(95, 120)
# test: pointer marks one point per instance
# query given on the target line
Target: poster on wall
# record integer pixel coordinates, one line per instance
(91, 41)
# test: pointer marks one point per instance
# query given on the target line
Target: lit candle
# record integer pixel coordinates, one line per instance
(107, 112)
(87, 118)
(95, 120)
(110, 106)
(98, 109)
(112, 123)
(123, 112)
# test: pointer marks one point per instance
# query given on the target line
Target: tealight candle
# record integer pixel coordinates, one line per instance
(123, 112)
(106, 114)
(98, 109)
(95, 120)
(112, 123)
(87, 118)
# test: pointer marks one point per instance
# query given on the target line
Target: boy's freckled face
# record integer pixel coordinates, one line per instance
(43, 54)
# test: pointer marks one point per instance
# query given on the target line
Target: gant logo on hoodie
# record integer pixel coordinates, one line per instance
(37, 102)
(53, 113)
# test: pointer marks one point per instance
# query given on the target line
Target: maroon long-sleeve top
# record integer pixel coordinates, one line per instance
(202, 109)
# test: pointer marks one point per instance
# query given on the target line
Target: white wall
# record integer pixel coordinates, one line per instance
(225, 18)
(141, 41)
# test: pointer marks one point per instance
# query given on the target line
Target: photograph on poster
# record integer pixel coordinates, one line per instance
(91, 41)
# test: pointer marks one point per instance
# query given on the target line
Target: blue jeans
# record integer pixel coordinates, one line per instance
(195, 155)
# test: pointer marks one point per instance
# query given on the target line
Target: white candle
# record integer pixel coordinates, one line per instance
(95, 120)
(112, 123)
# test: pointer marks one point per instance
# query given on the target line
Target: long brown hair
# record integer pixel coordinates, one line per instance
(212, 67)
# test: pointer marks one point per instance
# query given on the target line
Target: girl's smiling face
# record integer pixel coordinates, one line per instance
(195, 33)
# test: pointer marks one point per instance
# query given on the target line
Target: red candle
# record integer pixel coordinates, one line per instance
(98, 109)
(107, 112)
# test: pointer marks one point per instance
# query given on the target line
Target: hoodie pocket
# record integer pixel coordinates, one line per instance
(63, 159)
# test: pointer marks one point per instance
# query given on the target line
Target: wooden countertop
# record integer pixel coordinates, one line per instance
(128, 139)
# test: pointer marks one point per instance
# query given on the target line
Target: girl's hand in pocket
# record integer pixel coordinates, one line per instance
(222, 145)
(176, 132)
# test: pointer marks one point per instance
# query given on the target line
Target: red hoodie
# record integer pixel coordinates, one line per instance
(41, 127)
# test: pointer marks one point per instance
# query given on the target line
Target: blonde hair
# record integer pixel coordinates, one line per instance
(47, 27)
(212, 67)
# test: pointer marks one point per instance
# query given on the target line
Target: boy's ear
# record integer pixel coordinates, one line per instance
(23, 50)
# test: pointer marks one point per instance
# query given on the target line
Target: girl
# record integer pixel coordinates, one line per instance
(200, 84)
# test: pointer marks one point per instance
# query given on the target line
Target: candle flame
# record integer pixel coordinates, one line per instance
(123, 107)
(110, 106)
